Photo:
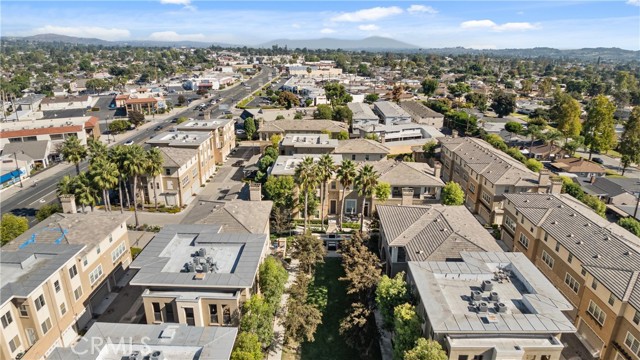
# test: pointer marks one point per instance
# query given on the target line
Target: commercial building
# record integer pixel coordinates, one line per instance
(198, 275)
(222, 132)
(55, 278)
(490, 305)
(53, 130)
(593, 262)
(487, 174)
(428, 233)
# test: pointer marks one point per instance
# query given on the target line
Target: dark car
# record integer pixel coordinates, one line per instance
(598, 160)
(157, 128)
(174, 120)
(238, 163)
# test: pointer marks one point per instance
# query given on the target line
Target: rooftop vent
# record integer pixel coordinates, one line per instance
(135, 355)
(156, 355)
(587, 224)
(483, 307)
(597, 256)
(579, 242)
(501, 307)
(574, 214)
(494, 296)
(570, 235)
(606, 238)
(487, 285)
(554, 222)
(476, 295)
(627, 252)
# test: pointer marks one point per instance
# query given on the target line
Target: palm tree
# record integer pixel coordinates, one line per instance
(96, 149)
(104, 175)
(84, 193)
(134, 165)
(117, 154)
(551, 137)
(366, 182)
(154, 168)
(73, 151)
(346, 173)
(326, 167)
(65, 185)
(306, 176)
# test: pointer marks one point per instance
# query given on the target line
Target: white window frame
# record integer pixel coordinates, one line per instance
(572, 283)
(472, 188)
(45, 326)
(548, 259)
(73, 271)
(95, 274)
(14, 343)
(510, 223)
(524, 241)
(40, 302)
(355, 206)
(117, 253)
(598, 314)
(632, 343)
(486, 198)
(77, 293)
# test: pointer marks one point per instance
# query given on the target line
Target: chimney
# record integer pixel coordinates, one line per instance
(255, 191)
(592, 180)
(556, 186)
(454, 133)
(437, 169)
(382, 137)
(543, 178)
(68, 204)
(407, 196)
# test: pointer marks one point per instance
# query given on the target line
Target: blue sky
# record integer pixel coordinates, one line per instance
(476, 24)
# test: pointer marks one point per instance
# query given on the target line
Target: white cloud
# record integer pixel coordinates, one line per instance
(421, 9)
(370, 27)
(367, 14)
(84, 31)
(327, 31)
(174, 36)
(176, 2)
(295, 26)
(520, 13)
(633, 2)
(490, 25)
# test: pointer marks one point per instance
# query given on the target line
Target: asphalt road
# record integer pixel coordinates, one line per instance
(29, 199)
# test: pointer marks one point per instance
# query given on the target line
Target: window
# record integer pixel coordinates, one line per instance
(98, 250)
(636, 318)
(522, 219)
(157, 313)
(85, 261)
(402, 254)
(570, 258)
(333, 185)
(117, 253)
(95, 274)
(77, 292)
(14, 343)
(486, 197)
(463, 357)
(56, 285)
(6, 319)
(366, 157)
(472, 188)
(510, 223)
(213, 313)
(73, 271)
(612, 300)
(546, 236)
(548, 259)
(167, 171)
(46, 326)
(572, 283)
(353, 156)
(557, 247)
(524, 241)
(632, 343)
(40, 302)
(594, 284)
(111, 238)
(597, 313)
(350, 206)
(63, 308)
(583, 272)
(478, 357)
(185, 181)
(24, 310)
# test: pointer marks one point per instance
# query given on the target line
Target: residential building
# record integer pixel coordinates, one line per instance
(268, 115)
(490, 305)
(390, 113)
(68, 102)
(580, 167)
(236, 216)
(614, 191)
(487, 174)
(400, 138)
(203, 142)
(363, 116)
(179, 181)
(286, 164)
(362, 150)
(53, 130)
(55, 277)
(593, 262)
(428, 233)
(307, 144)
(423, 115)
(198, 275)
(29, 102)
(143, 341)
(315, 71)
(284, 127)
(222, 132)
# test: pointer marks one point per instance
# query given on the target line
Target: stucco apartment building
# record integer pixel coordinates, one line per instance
(390, 113)
(55, 276)
(594, 263)
(53, 130)
(422, 115)
(222, 132)
(490, 306)
(307, 144)
(486, 175)
(285, 127)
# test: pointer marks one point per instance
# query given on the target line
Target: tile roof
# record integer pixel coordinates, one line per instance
(303, 125)
(417, 109)
(239, 216)
(573, 165)
(36, 150)
(406, 173)
(361, 146)
(434, 232)
(177, 157)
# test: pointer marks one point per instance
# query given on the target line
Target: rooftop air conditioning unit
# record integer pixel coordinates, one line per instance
(487, 285)
(156, 355)
(135, 355)
(483, 307)
(501, 307)
(476, 295)
(202, 252)
(494, 296)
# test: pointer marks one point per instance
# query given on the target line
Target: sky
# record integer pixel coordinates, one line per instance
(433, 24)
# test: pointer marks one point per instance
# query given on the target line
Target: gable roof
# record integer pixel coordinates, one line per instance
(361, 146)
(417, 109)
(406, 173)
(308, 126)
(239, 216)
(176, 157)
(36, 150)
(574, 165)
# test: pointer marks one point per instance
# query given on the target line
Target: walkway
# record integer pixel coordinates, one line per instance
(275, 353)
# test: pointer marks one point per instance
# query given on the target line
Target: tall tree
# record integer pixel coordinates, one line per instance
(407, 329)
(390, 293)
(85, 192)
(257, 318)
(452, 194)
(629, 145)
(599, 132)
(513, 127)
(347, 173)
(429, 86)
(73, 151)
(337, 94)
(326, 168)
(309, 250)
(134, 165)
(104, 175)
(12, 226)
(96, 149)
(566, 113)
(503, 104)
(396, 93)
(247, 347)
(153, 169)
(272, 279)
(366, 182)
(426, 350)
(118, 154)
(250, 127)
(550, 137)
(306, 176)
(361, 267)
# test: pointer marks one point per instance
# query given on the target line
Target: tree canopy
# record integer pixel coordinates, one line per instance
(12, 226)
(452, 194)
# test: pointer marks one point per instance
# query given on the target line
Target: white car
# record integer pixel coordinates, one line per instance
(240, 132)
(128, 143)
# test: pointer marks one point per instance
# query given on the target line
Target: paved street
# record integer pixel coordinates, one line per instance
(612, 164)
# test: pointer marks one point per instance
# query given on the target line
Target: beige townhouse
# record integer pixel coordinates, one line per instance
(593, 262)
(55, 277)
(487, 174)
(222, 133)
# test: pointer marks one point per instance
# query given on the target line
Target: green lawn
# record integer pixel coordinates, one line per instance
(331, 295)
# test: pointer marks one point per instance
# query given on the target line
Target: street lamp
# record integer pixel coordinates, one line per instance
(15, 157)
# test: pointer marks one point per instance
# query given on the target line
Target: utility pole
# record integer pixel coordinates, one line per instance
(18, 169)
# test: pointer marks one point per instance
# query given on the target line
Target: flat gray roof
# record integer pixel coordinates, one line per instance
(200, 125)
(175, 341)
(231, 259)
(286, 164)
(309, 140)
(180, 138)
(533, 305)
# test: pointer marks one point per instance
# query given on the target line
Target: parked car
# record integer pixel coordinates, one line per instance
(128, 143)
(240, 132)
(598, 160)
(238, 163)
(157, 128)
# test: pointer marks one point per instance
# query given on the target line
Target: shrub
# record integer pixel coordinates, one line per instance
(135, 252)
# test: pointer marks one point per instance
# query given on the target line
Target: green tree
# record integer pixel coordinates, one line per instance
(301, 321)
(288, 99)
(134, 165)
(515, 153)
(306, 177)
(73, 151)
(533, 165)
(104, 175)
(250, 127)
(273, 277)
(479, 100)
(371, 98)
(343, 113)
(382, 191)
(257, 318)
(503, 104)
(181, 120)
(599, 132)
(12, 226)
(390, 293)
(566, 113)
(47, 210)
(309, 250)
(426, 350)
(247, 347)
(154, 167)
(96, 149)
(323, 111)
(598, 206)
(342, 135)
(550, 137)
(326, 168)
(535, 131)
(281, 190)
(119, 126)
(630, 224)
(396, 93)
(354, 327)
(366, 182)
(181, 100)
(429, 86)
(361, 268)
(458, 89)
(573, 145)
(629, 146)
(452, 194)
(346, 173)
(85, 192)
(337, 94)
(135, 117)
(429, 149)
(407, 329)
(513, 127)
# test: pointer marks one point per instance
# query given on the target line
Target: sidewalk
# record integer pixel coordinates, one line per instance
(275, 353)
(10, 191)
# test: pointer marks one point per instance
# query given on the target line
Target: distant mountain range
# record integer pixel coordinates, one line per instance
(374, 43)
